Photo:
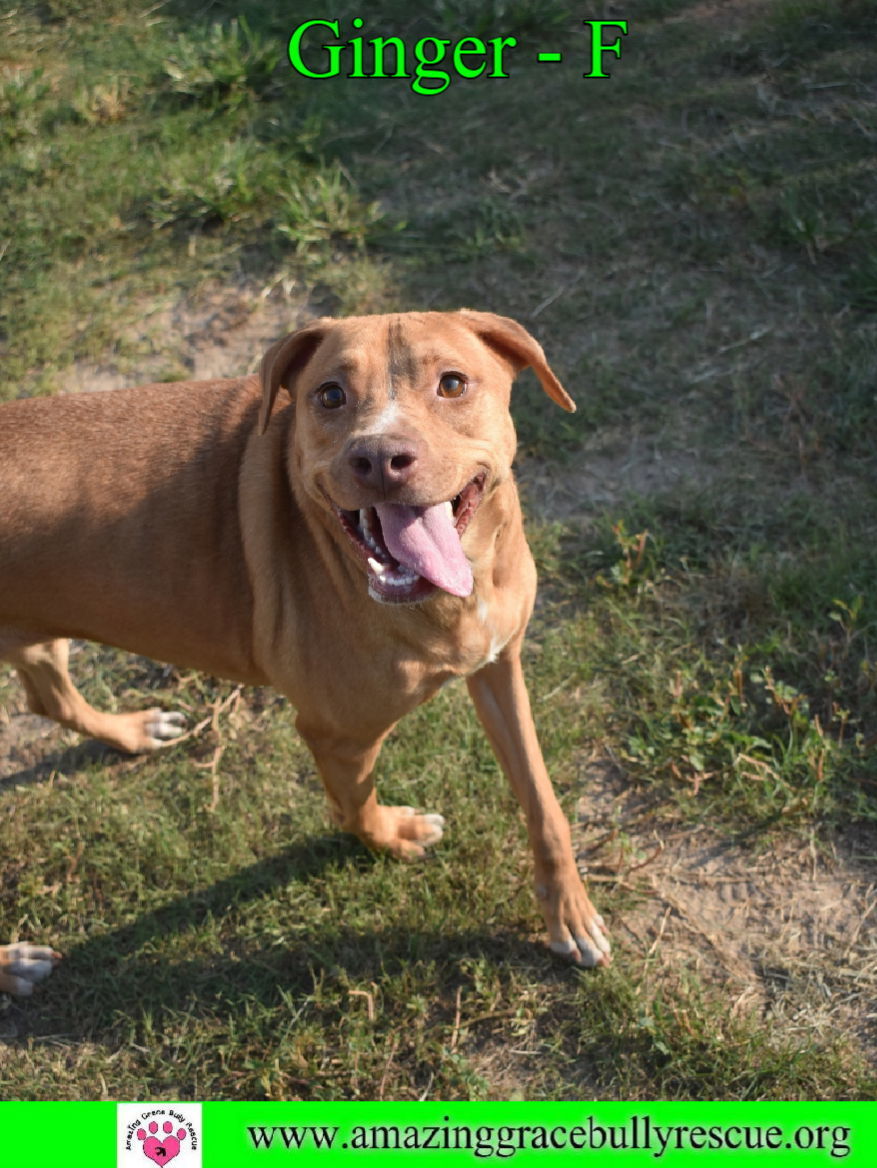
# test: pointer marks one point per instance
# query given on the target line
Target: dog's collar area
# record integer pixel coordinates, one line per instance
(389, 580)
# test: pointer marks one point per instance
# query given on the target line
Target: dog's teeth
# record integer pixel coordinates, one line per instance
(398, 578)
(376, 567)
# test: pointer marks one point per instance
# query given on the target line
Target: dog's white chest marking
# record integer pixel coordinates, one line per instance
(497, 641)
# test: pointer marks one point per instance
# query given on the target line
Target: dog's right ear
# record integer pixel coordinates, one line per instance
(517, 345)
(283, 361)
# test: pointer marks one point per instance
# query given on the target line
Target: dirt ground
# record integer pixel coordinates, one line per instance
(789, 932)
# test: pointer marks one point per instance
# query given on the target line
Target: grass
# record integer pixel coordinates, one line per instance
(695, 243)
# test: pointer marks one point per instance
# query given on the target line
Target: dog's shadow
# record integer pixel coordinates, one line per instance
(126, 972)
(66, 761)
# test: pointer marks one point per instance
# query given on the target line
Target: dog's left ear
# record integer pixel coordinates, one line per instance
(283, 361)
(514, 342)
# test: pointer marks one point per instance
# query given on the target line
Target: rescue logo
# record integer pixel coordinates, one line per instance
(159, 1134)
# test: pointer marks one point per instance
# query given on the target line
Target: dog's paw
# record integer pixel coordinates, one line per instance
(23, 965)
(406, 833)
(161, 727)
(576, 930)
(140, 732)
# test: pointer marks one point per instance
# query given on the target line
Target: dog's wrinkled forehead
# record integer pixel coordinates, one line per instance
(402, 352)
(382, 354)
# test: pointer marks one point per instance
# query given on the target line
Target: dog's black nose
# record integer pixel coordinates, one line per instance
(382, 462)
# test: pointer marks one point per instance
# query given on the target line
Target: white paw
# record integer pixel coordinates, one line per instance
(434, 826)
(587, 949)
(24, 965)
(437, 829)
(163, 726)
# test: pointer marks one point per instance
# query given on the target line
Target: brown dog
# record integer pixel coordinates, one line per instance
(356, 550)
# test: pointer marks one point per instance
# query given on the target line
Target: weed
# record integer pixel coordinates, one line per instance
(632, 568)
(23, 97)
(109, 102)
(323, 207)
(745, 731)
(223, 65)
(220, 188)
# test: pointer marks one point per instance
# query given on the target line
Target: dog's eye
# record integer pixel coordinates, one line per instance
(452, 385)
(331, 397)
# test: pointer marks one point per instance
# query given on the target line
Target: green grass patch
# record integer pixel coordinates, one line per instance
(139, 161)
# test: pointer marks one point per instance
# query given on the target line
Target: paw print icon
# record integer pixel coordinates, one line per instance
(161, 1151)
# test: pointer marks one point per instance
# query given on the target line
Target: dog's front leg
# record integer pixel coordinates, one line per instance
(575, 928)
(346, 767)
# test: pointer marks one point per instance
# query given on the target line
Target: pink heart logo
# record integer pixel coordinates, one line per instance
(161, 1151)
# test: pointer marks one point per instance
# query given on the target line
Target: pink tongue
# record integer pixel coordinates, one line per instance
(425, 540)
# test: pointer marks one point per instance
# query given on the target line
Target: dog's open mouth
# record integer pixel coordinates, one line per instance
(410, 551)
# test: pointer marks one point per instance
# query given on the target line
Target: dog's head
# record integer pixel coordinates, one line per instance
(402, 430)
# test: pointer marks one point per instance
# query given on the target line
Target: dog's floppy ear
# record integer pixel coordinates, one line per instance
(283, 360)
(514, 342)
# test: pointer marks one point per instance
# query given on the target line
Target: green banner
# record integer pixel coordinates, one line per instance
(331, 1135)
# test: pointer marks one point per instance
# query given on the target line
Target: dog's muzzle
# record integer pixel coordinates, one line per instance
(411, 551)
